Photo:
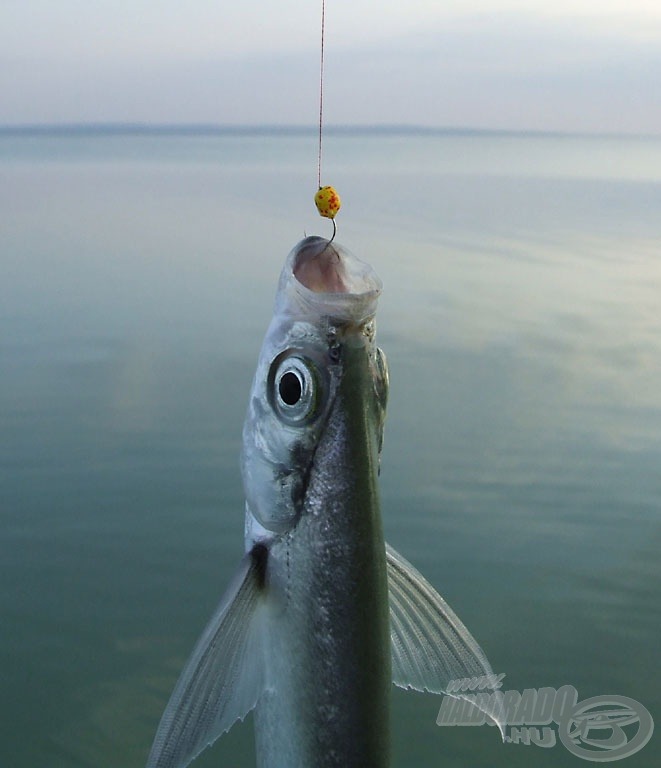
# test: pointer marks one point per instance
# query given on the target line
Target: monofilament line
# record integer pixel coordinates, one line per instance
(326, 198)
(321, 88)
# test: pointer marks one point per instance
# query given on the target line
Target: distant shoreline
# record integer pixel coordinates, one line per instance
(210, 129)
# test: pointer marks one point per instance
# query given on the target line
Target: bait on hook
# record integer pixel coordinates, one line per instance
(328, 204)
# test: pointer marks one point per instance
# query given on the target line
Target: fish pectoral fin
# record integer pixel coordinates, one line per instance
(430, 645)
(224, 676)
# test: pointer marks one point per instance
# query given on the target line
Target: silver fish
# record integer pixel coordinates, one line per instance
(322, 616)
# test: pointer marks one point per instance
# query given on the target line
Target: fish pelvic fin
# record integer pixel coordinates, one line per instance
(224, 676)
(429, 643)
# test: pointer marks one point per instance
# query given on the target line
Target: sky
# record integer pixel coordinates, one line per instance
(579, 65)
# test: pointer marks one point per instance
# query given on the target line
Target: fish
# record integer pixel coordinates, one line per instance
(321, 616)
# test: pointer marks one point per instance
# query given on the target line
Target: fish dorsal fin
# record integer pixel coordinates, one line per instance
(430, 645)
(224, 676)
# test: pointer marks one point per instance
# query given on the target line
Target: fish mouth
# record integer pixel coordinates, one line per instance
(325, 278)
(325, 267)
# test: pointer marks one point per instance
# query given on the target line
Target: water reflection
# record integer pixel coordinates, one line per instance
(520, 474)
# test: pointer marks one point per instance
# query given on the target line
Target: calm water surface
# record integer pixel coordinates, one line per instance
(522, 322)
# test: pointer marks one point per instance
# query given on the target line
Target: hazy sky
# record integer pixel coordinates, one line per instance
(578, 65)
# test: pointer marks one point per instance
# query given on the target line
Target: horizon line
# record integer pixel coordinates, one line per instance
(212, 128)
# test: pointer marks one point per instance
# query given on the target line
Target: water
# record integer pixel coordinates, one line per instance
(522, 323)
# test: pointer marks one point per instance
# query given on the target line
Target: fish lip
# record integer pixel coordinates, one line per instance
(354, 305)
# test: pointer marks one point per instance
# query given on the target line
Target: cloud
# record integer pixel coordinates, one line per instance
(507, 71)
(510, 70)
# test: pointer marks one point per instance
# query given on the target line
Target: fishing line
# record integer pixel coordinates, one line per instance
(321, 88)
(327, 200)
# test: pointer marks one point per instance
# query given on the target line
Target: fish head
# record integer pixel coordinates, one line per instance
(319, 371)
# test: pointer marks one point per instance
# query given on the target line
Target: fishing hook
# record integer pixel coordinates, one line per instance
(334, 232)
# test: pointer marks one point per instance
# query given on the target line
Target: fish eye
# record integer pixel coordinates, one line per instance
(293, 388)
(290, 388)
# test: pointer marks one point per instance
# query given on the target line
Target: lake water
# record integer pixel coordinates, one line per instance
(521, 472)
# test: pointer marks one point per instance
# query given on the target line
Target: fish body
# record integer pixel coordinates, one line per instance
(326, 700)
(322, 616)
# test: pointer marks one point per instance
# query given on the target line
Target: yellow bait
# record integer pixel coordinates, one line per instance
(328, 202)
